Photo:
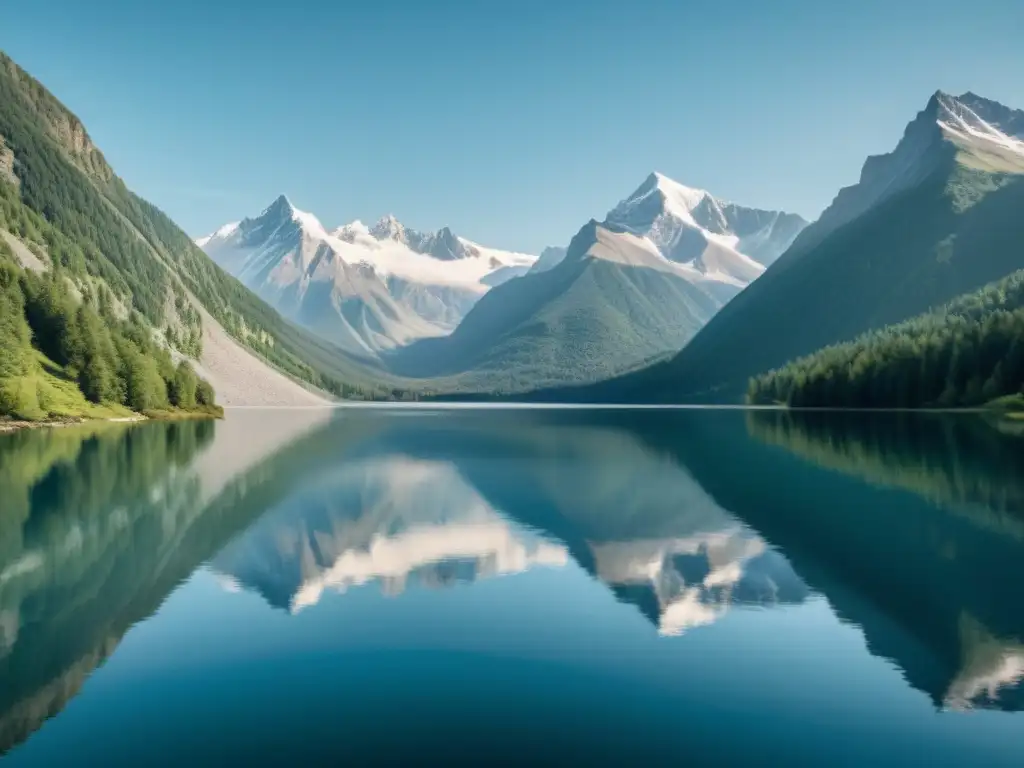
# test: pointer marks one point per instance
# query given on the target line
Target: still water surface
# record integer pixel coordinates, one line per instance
(488, 587)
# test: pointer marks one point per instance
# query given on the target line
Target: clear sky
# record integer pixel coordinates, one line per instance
(512, 121)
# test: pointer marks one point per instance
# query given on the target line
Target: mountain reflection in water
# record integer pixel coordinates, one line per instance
(910, 527)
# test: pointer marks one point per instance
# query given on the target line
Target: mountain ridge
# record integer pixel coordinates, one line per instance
(933, 219)
(368, 289)
(627, 290)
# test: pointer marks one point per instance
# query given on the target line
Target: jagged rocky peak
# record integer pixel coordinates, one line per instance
(968, 129)
(683, 222)
(281, 208)
(443, 244)
(388, 228)
(351, 231)
(971, 118)
(446, 246)
(657, 195)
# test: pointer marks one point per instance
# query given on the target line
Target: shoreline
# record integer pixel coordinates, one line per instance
(17, 425)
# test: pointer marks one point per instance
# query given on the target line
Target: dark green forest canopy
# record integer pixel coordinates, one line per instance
(965, 354)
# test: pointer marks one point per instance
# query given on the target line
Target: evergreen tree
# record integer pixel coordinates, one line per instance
(94, 357)
(205, 394)
(965, 354)
(17, 391)
(182, 388)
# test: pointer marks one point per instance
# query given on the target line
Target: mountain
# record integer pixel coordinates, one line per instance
(549, 258)
(366, 289)
(937, 217)
(968, 353)
(718, 238)
(626, 291)
(64, 209)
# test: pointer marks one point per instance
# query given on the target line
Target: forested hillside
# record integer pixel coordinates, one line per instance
(965, 354)
(61, 198)
(85, 361)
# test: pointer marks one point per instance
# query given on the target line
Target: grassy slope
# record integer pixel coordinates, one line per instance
(61, 398)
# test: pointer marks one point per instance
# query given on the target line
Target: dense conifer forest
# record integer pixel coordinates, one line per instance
(49, 339)
(967, 353)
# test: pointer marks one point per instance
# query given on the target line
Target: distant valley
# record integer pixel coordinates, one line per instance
(459, 316)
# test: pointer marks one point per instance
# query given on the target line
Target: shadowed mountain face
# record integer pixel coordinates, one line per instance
(911, 529)
(934, 219)
(626, 291)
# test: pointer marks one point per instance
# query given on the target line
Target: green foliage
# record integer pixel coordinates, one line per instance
(17, 397)
(145, 389)
(915, 251)
(204, 393)
(97, 359)
(183, 387)
(94, 358)
(966, 354)
(71, 204)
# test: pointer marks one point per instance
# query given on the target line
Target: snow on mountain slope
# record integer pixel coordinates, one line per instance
(979, 133)
(368, 289)
(987, 133)
(721, 240)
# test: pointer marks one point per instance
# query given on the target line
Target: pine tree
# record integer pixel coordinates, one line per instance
(17, 391)
(182, 388)
(94, 357)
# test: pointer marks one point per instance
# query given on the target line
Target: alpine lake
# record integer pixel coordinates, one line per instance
(397, 586)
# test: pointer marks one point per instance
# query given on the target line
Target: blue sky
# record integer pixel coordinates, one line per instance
(511, 121)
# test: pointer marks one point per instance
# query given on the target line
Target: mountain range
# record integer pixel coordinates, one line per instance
(437, 306)
(675, 295)
(366, 289)
(936, 218)
(629, 289)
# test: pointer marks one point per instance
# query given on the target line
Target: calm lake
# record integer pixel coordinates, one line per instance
(508, 587)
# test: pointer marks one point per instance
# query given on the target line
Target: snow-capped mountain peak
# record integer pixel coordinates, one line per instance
(978, 123)
(975, 131)
(223, 232)
(389, 228)
(368, 289)
(679, 199)
(690, 226)
(352, 231)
